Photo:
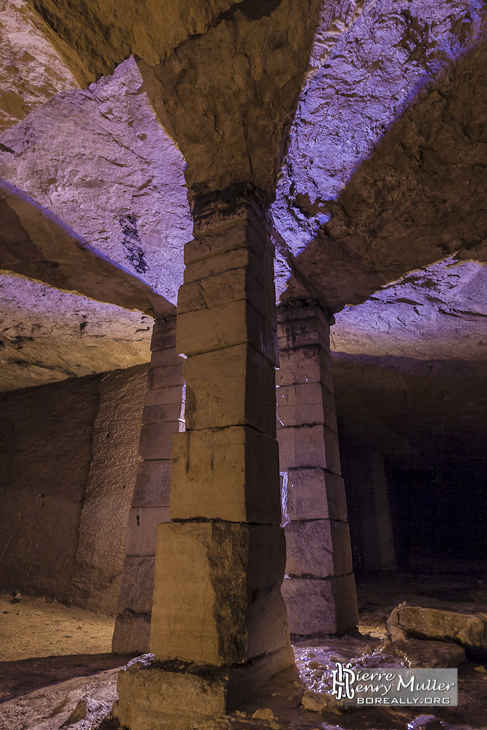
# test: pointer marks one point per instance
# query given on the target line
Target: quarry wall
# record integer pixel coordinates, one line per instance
(69, 459)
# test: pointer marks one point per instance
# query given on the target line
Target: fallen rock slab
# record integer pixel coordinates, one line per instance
(467, 629)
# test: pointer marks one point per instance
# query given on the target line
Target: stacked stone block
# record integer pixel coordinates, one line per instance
(218, 613)
(150, 502)
(319, 588)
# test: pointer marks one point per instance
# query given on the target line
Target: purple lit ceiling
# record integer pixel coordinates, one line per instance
(384, 174)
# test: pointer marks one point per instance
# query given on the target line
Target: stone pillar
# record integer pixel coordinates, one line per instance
(319, 588)
(219, 627)
(150, 502)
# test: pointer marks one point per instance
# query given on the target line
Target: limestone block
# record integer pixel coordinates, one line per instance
(305, 365)
(329, 409)
(228, 286)
(319, 548)
(161, 358)
(163, 396)
(243, 392)
(230, 276)
(243, 257)
(161, 414)
(425, 653)
(307, 394)
(216, 595)
(156, 695)
(227, 325)
(131, 634)
(304, 446)
(306, 414)
(303, 311)
(315, 494)
(320, 606)
(246, 234)
(302, 333)
(153, 484)
(308, 446)
(137, 585)
(300, 415)
(302, 394)
(142, 529)
(228, 473)
(166, 376)
(163, 336)
(153, 699)
(156, 440)
(467, 629)
(332, 450)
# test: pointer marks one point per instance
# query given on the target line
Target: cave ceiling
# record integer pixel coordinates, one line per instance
(380, 179)
(47, 334)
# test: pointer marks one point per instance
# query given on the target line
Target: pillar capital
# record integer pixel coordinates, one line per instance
(221, 208)
(299, 309)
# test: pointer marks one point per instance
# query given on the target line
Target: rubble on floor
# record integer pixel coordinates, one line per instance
(296, 699)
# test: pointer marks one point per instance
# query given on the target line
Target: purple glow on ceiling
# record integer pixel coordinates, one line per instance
(438, 312)
(98, 158)
(375, 71)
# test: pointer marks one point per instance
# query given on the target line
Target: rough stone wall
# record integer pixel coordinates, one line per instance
(47, 334)
(67, 472)
(109, 488)
(45, 440)
(30, 69)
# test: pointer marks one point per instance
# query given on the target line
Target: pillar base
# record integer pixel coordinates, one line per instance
(173, 695)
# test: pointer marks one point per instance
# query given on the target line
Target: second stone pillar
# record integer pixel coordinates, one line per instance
(319, 588)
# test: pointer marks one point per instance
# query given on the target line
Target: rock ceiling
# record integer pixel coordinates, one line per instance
(380, 201)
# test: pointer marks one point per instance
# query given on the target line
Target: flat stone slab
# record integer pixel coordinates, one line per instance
(467, 629)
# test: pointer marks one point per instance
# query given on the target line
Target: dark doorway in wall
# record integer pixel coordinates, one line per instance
(439, 514)
(413, 437)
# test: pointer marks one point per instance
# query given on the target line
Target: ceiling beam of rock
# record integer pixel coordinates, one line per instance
(386, 166)
(30, 69)
(95, 37)
(100, 161)
(47, 335)
(37, 245)
(223, 77)
(439, 312)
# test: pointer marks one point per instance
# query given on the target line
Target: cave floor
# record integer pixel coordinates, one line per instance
(56, 670)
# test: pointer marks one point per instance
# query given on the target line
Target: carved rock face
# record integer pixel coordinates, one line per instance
(223, 77)
(48, 335)
(101, 162)
(30, 69)
(384, 171)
